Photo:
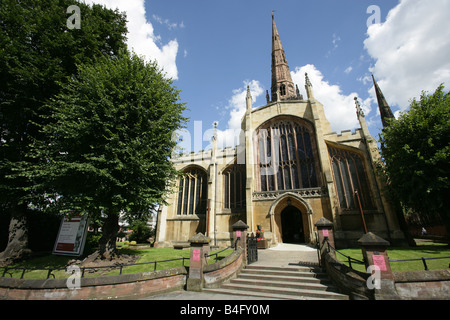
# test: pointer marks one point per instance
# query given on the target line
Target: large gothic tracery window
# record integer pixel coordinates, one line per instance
(234, 186)
(192, 193)
(349, 176)
(286, 153)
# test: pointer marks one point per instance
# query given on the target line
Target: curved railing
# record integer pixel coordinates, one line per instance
(6, 270)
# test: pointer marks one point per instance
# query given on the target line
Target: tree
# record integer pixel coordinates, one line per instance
(141, 231)
(108, 142)
(416, 152)
(38, 52)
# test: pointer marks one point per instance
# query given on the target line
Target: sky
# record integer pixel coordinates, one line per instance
(213, 49)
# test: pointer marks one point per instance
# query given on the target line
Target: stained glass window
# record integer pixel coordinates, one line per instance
(350, 176)
(234, 186)
(286, 156)
(192, 193)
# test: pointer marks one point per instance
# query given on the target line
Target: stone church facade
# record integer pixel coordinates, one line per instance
(288, 170)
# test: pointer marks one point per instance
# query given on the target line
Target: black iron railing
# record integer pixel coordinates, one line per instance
(424, 262)
(7, 270)
(252, 248)
(216, 254)
(23, 270)
(349, 259)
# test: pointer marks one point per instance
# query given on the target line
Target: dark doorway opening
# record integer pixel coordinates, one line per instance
(292, 225)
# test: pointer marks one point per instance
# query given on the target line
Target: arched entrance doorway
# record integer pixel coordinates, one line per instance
(292, 230)
(303, 212)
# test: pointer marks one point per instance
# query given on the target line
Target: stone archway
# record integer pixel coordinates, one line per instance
(299, 205)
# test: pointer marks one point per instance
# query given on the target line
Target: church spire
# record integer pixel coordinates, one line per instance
(385, 110)
(282, 85)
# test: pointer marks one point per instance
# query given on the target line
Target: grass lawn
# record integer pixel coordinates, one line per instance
(145, 255)
(423, 249)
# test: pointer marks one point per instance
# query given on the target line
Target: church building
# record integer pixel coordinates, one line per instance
(287, 171)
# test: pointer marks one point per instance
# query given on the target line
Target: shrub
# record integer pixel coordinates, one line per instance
(141, 231)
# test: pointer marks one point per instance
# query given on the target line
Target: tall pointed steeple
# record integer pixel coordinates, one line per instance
(385, 110)
(282, 85)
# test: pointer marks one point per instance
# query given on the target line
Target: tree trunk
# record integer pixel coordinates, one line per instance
(17, 247)
(107, 243)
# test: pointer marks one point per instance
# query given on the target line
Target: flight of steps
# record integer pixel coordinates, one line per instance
(296, 282)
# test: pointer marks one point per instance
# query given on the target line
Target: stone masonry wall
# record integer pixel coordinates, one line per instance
(108, 287)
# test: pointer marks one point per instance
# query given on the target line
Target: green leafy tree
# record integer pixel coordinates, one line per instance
(37, 53)
(416, 152)
(141, 231)
(108, 142)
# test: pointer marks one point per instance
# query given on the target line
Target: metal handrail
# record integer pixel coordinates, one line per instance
(349, 259)
(420, 259)
(217, 253)
(83, 269)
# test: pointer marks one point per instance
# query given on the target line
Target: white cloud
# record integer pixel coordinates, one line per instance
(339, 108)
(348, 70)
(237, 106)
(167, 22)
(411, 49)
(141, 37)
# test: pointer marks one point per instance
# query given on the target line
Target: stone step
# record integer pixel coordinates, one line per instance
(287, 278)
(293, 282)
(256, 295)
(283, 284)
(292, 293)
(290, 268)
(304, 274)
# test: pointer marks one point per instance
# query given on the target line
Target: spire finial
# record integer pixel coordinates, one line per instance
(214, 137)
(359, 111)
(308, 87)
(307, 82)
(249, 99)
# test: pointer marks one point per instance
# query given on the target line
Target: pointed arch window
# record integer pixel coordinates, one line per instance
(234, 186)
(192, 193)
(349, 175)
(287, 156)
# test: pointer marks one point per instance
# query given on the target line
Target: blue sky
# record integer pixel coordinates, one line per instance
(213, 49)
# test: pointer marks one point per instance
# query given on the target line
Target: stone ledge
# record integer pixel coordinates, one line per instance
(422, 276)
(224, 262)
(31, 284)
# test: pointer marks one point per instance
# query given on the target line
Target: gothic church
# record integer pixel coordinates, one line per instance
(288, 170)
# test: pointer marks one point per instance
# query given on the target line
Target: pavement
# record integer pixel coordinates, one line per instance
(284, 254)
